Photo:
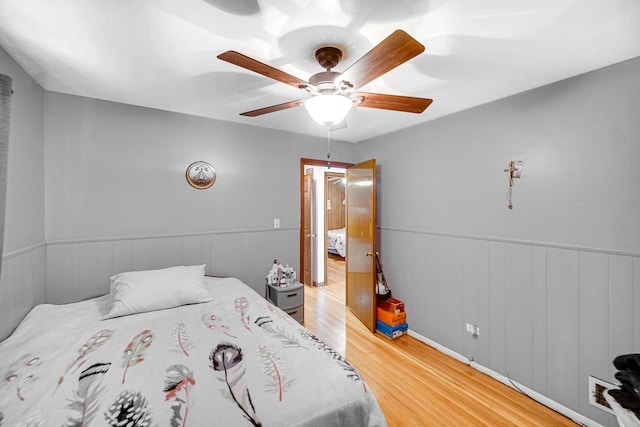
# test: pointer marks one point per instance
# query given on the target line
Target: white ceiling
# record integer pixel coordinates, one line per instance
(162, 53)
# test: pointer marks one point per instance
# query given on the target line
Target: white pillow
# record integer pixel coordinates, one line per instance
(140, 291)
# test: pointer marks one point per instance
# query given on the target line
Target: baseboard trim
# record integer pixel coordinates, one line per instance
(569, 413)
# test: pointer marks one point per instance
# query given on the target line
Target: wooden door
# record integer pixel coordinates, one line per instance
(361, 242)
(307, 277)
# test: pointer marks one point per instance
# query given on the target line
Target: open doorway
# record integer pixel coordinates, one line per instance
(360, 278)
(322, 189)
(335, 231)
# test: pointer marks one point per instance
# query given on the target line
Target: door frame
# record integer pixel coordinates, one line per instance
(311, 162)
(308, 243)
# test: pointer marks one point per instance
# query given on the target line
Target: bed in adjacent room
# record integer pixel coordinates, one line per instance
(336, 242)
(173, 348)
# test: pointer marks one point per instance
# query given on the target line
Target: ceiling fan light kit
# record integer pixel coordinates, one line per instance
(328, 110)
(332, 93)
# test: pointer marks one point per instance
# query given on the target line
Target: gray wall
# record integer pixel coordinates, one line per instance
(552, 283)
(117, 198)
(22, 284)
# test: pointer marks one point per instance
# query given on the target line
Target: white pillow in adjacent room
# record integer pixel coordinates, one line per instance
(141, 291)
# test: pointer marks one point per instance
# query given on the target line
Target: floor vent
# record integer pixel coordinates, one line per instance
(597, 388)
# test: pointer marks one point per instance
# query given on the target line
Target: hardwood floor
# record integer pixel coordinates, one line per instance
(415, 384)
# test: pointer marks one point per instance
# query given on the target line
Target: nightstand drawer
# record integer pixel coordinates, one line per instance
(297, 313)
(289, 298)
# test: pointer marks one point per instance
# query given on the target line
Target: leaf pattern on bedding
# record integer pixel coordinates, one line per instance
(242, 307)
(287, 338)
(272, 366)
(215, 323)
(262, 377)
(130, 409)
(351, 371)
(134, 353)
(176, 388)
(92, 344)
(227, 359)
(23, 373)
(86, 398)
(181, 339)
(281, 314)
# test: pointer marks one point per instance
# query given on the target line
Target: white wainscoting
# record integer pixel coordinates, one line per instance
(22, 285)
(78, 270)
(549, 316)
(67, 271)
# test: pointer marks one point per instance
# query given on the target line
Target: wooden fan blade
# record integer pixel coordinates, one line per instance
(395, 50)
(273, 108)
(408, 104)
(251, 64)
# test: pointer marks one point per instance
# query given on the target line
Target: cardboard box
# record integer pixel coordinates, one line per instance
(390, 318)
(393, 305)
(392, 332)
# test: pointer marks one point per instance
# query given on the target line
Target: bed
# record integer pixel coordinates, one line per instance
(336, 242)
(228, 357)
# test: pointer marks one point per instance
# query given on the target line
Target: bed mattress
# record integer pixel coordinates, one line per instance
(234, 361)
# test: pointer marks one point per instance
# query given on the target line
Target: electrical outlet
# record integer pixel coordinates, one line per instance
(276, 223)
(597, 389)
(474, 330)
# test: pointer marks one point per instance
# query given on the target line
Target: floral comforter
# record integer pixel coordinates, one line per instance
(234, 361)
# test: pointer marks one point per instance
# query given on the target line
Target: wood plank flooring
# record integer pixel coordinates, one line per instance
(415, 384)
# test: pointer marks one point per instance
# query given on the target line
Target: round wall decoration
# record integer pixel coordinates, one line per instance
(201, 175)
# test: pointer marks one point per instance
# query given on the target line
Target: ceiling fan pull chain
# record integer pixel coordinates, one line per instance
(328, 147)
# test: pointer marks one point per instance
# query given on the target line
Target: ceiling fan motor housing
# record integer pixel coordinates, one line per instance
(324, 81)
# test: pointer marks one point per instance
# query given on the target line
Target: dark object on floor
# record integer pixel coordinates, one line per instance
(630, 382)
(627, 362)
(628, 395)
(626, 400)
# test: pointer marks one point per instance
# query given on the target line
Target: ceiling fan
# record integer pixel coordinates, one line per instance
(332, 93)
